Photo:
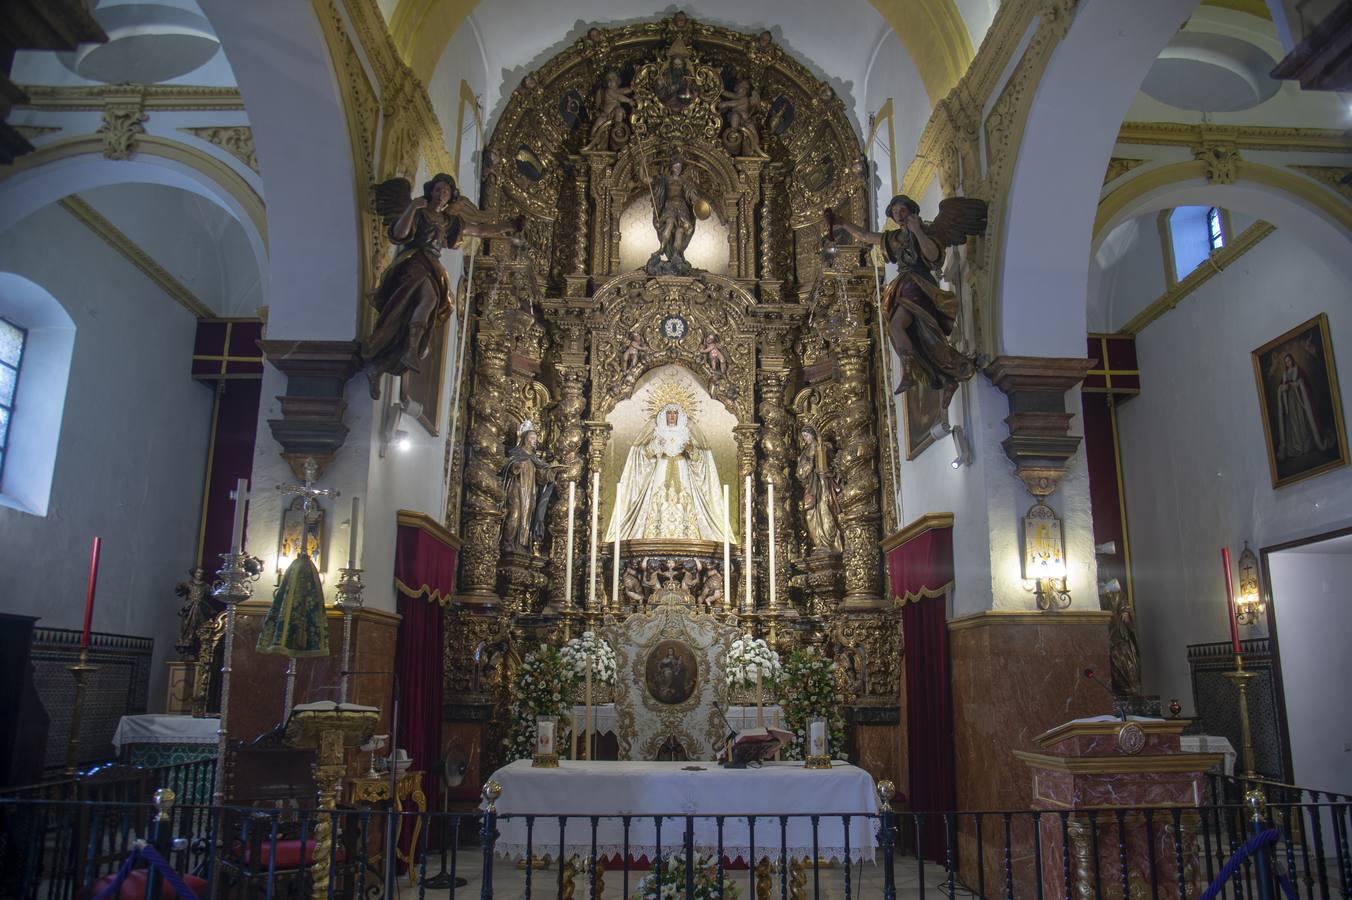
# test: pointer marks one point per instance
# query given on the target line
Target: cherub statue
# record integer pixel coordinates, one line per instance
(414, 291)
(632, 585)
(195, 611)
(741, 104)
(711, 594)
(635, 350)
(713, 356)
(920, 314)
(611, 99)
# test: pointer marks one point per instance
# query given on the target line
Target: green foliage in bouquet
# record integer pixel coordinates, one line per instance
(672, 884)
(542, 686)
(809, 691)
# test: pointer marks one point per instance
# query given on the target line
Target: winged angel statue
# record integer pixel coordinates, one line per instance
(920, 314)
(414, 291)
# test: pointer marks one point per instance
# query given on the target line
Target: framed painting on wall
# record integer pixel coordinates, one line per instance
(923, 412)
(1302, 409)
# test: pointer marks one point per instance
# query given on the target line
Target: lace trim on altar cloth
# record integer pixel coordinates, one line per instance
(669, 851)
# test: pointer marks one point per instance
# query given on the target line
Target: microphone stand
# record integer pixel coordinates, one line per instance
(390, 849)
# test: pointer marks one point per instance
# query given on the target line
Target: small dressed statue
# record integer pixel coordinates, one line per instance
(920, 315)
(527, 486)
(821, 493)
(195, 611)
(414, 293)
(675, 201)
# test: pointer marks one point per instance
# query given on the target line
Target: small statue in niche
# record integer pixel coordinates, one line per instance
(741, 103)
(821, 493)
(676, 90)
(527, 486)
(713, 356)
(675, 199)
(611, 99)
(635, 351)
(920, 315)
(632, 585)
(414, 293)
(196, 610)
(711, 594)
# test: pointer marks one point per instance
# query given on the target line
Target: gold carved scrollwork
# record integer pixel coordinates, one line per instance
(867, 649)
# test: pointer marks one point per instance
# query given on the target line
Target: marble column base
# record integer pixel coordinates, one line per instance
(1016, 674)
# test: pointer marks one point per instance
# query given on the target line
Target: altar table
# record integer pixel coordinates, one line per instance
(155, 740)
(611, 789)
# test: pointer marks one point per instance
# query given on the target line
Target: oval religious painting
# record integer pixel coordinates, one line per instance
(670, 672)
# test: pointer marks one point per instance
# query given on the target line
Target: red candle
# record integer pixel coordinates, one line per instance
(89, 595)
(1230, 600)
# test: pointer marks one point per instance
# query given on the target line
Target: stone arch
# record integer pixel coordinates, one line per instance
(308, 173)
(67, 167)
(1289, 201)
(1067, 139)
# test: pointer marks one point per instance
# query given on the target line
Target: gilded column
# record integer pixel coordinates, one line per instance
(568, 426)
(745, 436)
(576, 279)
(598, 437)
(774, 440)
(483, 487)
(858, 468)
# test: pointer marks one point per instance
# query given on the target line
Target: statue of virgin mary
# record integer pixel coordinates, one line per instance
(669, 487)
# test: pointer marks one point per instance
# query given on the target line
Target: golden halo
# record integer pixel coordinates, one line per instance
(670, 391)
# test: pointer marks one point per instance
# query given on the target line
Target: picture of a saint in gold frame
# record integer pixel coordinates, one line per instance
(1301, 406)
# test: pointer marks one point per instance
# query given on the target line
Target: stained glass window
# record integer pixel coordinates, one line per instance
(12, 340)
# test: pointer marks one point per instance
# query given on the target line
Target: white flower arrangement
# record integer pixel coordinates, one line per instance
(749, 657)
(577, 652)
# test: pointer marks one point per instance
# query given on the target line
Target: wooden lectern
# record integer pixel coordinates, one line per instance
(1107, 765)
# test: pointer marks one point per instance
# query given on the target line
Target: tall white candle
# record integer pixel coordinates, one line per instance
(816, 738)
(619, 520)
(727, 548)
(352, 534)
(568, 572)
(748, 603)
(595, 519)
(241, 498)
(770, 518)
(544, 736)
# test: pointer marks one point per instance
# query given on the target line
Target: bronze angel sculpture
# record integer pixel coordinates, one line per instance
(920, 315)
(414, 294)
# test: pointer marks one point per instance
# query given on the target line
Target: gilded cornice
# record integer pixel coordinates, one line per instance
(1245, 137)
(132, 252)
(425, 523)
(153, 97)
(927, 522)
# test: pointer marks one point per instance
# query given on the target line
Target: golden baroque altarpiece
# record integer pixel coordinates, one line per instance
(719, 133)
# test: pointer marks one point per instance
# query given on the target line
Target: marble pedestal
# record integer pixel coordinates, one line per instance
(1143, 790)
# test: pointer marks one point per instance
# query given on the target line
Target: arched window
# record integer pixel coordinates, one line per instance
(1215, 229)
(12, 341)
(37, 340)
(1194, 233)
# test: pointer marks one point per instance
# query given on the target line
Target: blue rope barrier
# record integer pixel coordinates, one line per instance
(152, 856)
(1250, 847)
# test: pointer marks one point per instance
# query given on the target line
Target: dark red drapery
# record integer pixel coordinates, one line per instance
(921, 571)
(424, 573)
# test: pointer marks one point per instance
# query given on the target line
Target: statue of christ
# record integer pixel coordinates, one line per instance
(669, 487)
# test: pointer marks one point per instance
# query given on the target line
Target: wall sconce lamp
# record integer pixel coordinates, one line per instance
(960, 443)
(1249, 605)
(1044, 560)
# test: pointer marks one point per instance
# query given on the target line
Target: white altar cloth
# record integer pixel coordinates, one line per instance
(164, 730)
(612, 789)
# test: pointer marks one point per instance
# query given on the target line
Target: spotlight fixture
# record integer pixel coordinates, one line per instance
(963, 448)
(402, 442)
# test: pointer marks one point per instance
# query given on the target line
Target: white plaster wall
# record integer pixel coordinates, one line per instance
(892, 74)
(133, 445)
(1194, 462)
(1126, 273)
(1314, 617)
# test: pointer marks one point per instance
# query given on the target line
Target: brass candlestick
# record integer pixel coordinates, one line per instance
(349, 589)
(1241, 678)
(80, 671)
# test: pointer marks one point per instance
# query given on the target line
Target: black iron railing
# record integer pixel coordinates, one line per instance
(59, 849)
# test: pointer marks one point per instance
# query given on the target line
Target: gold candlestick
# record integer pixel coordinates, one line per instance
(80, 671)
(1241, 678)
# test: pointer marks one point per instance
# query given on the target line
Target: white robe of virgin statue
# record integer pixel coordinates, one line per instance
(669, 487)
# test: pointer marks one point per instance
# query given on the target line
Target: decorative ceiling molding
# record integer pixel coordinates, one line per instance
(1245, 137)
(154, 96)
(1119, 166)
(1216, 263)
(1337, 177)
(132, 252)
(237, 140)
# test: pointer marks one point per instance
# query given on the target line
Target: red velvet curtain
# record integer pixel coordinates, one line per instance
(424, 573)
(921, 571)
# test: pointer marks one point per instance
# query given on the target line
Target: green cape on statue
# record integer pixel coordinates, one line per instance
(296, 625)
